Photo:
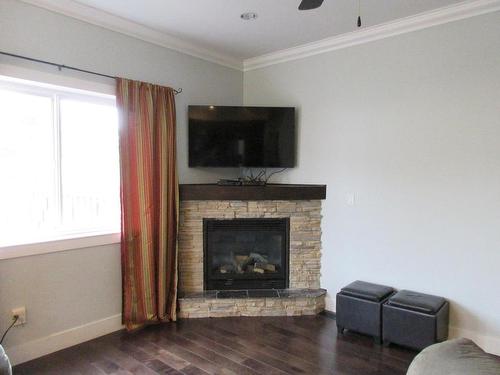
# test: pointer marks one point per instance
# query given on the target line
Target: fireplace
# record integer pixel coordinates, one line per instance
(246, 253)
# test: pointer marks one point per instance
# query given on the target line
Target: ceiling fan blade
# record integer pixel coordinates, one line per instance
(310, 4)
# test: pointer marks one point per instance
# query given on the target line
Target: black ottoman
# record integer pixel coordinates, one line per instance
(359, 308)
(415, 320)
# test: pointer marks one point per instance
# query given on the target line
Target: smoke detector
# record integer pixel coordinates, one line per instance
(249, 16)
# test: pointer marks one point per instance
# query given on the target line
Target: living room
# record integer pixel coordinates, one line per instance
(397, 123)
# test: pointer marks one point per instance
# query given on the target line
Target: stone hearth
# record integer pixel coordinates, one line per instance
(280, 302)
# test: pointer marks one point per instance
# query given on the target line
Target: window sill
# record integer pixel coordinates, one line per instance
(63, 244)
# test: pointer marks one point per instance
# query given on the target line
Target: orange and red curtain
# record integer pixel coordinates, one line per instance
(149, 202)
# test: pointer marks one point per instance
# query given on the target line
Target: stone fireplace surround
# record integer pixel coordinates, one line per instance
(304, 296)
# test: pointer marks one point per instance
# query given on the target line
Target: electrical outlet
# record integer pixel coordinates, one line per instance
(21, 313)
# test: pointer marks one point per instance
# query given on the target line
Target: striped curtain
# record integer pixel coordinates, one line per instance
(149, 202)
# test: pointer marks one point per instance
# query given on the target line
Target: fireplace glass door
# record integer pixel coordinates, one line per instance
(246, 253)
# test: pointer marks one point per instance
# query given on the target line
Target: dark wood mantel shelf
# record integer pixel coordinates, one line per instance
(202, 192)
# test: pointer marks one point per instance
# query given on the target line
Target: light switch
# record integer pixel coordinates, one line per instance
(351, 199)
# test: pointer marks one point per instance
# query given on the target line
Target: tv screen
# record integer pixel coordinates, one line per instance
(222, 136)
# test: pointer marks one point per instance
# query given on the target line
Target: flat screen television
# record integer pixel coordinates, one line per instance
(222, 136)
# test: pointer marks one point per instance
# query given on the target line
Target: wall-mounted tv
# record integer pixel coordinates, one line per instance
(222, 136)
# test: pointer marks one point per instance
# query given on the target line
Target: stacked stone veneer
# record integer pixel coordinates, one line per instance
(304, 303)
(305, 237)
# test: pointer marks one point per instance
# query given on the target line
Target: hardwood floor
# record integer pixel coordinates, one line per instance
(271, 345)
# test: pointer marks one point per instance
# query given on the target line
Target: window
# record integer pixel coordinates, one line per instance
(59, 163)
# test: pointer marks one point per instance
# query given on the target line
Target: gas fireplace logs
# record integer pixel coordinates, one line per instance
(252, 263)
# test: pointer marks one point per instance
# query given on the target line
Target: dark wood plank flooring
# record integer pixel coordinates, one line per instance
(271, 345)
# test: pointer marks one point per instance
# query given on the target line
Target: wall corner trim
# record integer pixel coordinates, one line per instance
(64, 339)
(420, 21)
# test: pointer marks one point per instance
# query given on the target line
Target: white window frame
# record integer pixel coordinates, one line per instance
(45, 83)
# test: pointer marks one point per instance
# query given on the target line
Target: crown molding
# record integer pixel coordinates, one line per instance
(109, 21)
(420, 21)
(404, 25)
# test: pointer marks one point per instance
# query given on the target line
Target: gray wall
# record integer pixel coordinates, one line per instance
(69, 289)
(60, 290)
(411, 126)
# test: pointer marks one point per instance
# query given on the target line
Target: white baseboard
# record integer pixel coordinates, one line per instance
(489, 344)
(63, 339)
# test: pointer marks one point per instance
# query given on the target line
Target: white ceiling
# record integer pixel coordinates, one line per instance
(216, 24)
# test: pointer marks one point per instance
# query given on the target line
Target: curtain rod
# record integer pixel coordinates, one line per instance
(60, 67)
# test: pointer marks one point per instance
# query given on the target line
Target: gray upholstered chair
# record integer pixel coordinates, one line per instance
(457, 357)
(5, 368)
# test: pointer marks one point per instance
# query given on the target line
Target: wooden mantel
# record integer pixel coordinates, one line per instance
(202, 192)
